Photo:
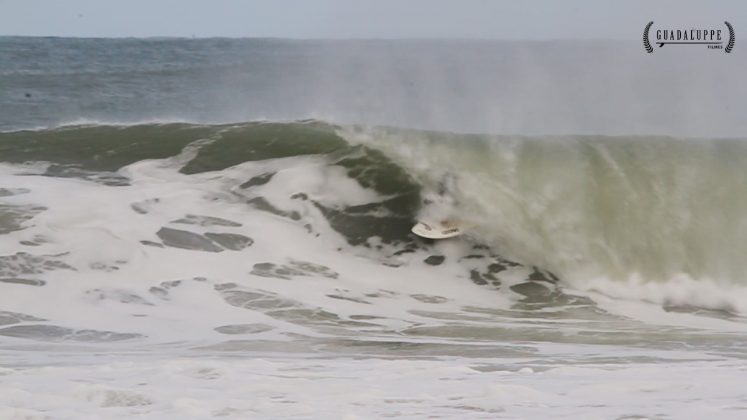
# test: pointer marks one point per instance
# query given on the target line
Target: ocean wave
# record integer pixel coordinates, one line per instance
(617, 215)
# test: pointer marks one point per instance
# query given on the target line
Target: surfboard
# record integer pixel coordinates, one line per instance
(437, 230)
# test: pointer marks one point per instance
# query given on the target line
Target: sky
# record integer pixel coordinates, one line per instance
(344, 19)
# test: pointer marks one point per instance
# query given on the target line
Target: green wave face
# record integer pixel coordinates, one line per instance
(86, 151)
(648, 208)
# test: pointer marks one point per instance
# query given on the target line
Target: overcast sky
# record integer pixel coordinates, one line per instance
(492, 19)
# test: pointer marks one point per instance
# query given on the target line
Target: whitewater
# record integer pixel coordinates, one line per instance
(221, 229)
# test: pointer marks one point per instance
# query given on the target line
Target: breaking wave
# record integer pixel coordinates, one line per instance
(654, 218)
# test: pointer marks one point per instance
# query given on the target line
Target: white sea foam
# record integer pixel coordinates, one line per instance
(279, 386)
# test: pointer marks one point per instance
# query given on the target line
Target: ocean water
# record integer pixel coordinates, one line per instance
(220, 229)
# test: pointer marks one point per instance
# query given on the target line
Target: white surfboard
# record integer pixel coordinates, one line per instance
(438, 230)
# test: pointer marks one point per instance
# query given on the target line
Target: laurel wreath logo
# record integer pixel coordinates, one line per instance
(730, 45)
(649, 49)
(646, 44)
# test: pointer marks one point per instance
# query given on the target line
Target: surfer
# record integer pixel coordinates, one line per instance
(443, 202)
(437, 217)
